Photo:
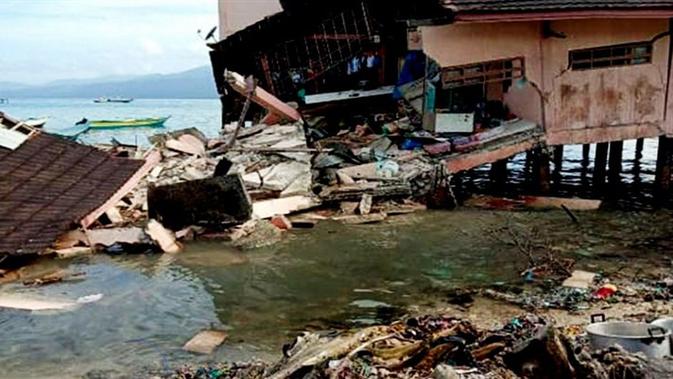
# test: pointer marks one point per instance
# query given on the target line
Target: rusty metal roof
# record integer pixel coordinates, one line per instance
(49, 184)
(552, 5)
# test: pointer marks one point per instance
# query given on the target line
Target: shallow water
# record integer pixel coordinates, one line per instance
(64, 113)
(331, 276)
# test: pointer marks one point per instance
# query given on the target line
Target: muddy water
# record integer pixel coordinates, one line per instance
(331, 276)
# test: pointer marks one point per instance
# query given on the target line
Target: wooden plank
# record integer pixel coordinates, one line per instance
(164, 237)
(262, 97)
(464, 162)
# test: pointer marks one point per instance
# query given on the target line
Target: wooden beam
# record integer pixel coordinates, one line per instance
(467, 161)
(262, 97)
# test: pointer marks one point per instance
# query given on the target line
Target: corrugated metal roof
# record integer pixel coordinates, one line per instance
(552, 5)
(48, 184)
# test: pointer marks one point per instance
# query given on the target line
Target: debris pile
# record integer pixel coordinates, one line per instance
(442, 347)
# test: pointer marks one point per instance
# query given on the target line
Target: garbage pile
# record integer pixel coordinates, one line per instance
(440, 347)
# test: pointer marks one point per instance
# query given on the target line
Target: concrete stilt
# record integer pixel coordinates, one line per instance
(558, 164)
(663, 175)
(498, 175)
(586, 158)
(640, 144)
(600, 162)
(541, 170)
(616, 149)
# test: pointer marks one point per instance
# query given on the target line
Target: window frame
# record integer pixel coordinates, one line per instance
(608, 58)
(483, 74)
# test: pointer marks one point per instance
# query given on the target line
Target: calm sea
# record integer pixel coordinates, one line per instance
(64, 113)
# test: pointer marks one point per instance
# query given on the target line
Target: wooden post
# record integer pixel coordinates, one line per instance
(558, 164)
(600, 162)
(663, 175)
(616, 149)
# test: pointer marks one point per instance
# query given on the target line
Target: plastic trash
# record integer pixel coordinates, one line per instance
(387, 168)
(605, 292)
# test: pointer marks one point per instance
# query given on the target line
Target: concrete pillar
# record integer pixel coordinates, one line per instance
(558, 164)
(600, 162)
(663, 176)
(498, 175)
(640, 144)
(586, 155)
(616, 149)
(541, 170)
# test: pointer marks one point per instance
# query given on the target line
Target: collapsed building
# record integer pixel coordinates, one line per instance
(528, 74)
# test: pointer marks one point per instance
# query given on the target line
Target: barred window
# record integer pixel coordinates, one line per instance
(482, 73)
(611, 56)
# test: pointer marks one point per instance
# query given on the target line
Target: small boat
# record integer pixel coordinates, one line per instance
(129, 123)
(36, 122)
(112, 100)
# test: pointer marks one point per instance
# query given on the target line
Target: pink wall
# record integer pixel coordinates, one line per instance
(581, 106)
(615, 98)
(238, 14)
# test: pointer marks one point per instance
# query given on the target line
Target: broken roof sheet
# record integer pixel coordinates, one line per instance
(508, 6)
(48, 184)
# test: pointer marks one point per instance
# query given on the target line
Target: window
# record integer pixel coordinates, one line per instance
(611, 56)
(482, 73)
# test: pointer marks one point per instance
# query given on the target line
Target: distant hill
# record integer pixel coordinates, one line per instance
(193, 84)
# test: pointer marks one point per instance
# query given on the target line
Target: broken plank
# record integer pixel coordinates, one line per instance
(574, 204)
(262, 98)
(283, 206)
(354, 192)
(205, 342)
(163, 237)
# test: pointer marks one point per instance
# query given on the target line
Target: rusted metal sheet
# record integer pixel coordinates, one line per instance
(48, 185)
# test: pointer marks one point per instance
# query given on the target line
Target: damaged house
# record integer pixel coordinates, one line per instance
(525, 74)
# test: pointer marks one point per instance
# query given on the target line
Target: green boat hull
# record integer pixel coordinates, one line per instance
(135, 123)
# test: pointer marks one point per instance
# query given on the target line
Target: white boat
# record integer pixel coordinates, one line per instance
(36, 122)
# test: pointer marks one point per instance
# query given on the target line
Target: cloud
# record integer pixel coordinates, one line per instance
(151, 47)
(46, 40)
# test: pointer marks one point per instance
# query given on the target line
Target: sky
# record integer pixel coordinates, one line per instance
(49, 40)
